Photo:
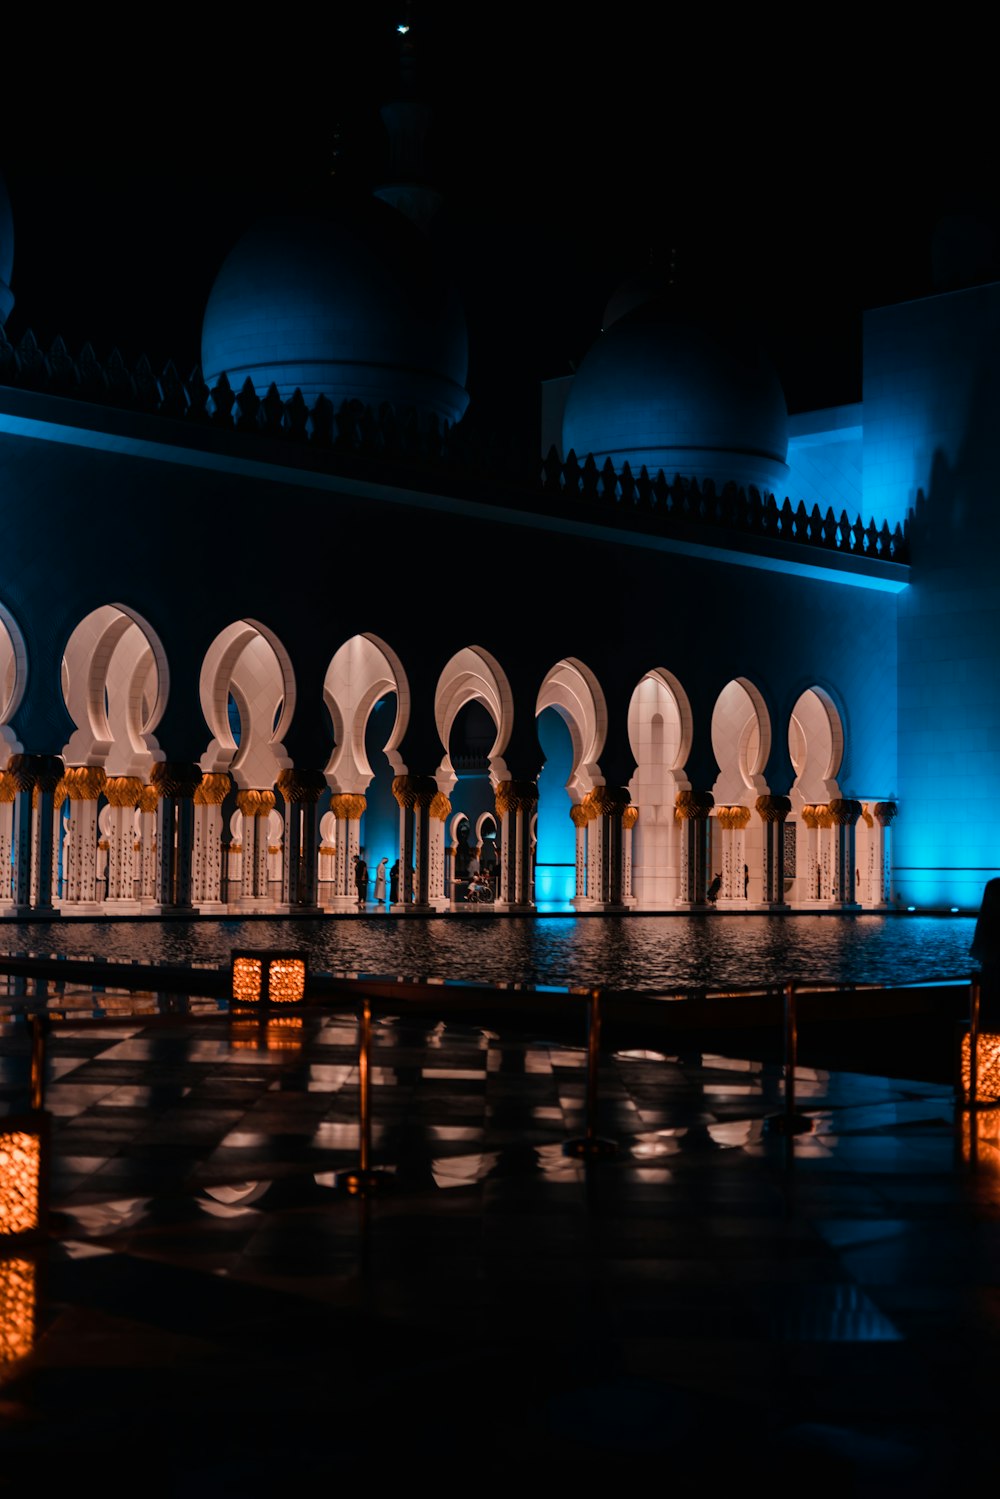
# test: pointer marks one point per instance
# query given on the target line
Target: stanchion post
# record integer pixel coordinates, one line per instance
(590, 1145)
(789, 1122)
(975, 995)
(363, 1179)
(39, 1034)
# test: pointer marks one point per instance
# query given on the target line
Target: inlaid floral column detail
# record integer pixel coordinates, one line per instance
(812, 864)
(773, 812)
(149, 801)
(124, 793)
(8, 795)
(629, 819)
(348, 808)
(692, 810)
(595, 849)
(580, 818)
(733, 820)
(414, 795)
(515, 806)
(885, 814)
(176, 782)
(301, 791)
(35, 778)
(608, 804)
(206, 875)
(438, 813)
(58, 862)
(256, 807)
(844, 816)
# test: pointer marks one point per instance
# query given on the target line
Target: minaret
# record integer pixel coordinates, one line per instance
(405, 119)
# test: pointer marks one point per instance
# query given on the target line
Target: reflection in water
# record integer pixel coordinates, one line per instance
(652, 953)
(17, 1310)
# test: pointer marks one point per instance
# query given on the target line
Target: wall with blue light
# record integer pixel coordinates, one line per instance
(824, 461)
(932, 390)
(555, 853)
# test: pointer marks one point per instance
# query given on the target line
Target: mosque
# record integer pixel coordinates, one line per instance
(728, 652)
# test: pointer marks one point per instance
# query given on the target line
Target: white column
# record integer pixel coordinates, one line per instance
(124, 794)
(733, 821)
(148, 852)
(348, 809)
(84, 785)
(206, 876)
(8, 792)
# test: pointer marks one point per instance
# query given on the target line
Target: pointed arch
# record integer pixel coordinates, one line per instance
(660, 731)
(13, 681)
(741, 743)
(815, 746)
(115, 682)
(363, 670)
(247, 661)
(572, 689)
(473, 675)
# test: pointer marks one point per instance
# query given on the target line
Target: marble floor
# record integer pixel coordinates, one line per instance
(715, 1303)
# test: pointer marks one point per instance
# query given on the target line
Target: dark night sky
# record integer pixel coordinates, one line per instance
(800, 176)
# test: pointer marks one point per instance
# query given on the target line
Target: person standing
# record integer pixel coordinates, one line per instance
(361, 880)
(714, 888)
(380, 881)
(394, 884)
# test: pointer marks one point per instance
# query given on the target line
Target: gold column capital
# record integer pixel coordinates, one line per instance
(775, 808)
(349, 807)
(175, 778)
(692, 805)
(149, 799)
(84, 783)
(255, 803)
(298, 785)
(578, 815)
(844, 812)
(609, 801)
(440, 807)
(885, 813)
(8, 788)
(414, 791)
(515, 796)
(630, 817)
(212, 790)
(733, 817)
(123, 791)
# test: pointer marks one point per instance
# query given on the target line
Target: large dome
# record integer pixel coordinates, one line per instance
(351, 306)
(682, 393)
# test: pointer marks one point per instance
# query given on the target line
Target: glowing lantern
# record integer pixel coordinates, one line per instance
(17, 1309)
(987, 1068)
(22, 1162)
(268, 977)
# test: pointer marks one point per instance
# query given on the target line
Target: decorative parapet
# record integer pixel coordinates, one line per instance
(654, 503)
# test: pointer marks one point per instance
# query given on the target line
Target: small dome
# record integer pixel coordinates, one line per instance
(350, 306)
(673, 391)
(6, 253)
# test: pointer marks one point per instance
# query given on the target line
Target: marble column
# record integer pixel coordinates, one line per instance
(605, 839)
(880, 889)
(516, 802)
(692, 810)
(580, 818)
(84, 785)
(414, 795)
(124, 794)
(301, 791)
(629, 819)
(206, 874)
(438, 813)
(8, 795)
(348, 807)
(773, 812)
(844, 814)
(149, 801)
(733, 821)
(256, 806)
(176, 782)
(35, 778)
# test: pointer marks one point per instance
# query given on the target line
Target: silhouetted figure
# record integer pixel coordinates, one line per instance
(361, 879)
(985, 951)
(394, 884)
(380, 881)
(714, 888)
(746, 881)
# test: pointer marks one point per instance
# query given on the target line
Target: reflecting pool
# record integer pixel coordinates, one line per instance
(655, 953)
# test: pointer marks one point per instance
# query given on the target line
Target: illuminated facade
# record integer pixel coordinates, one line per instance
(230, 661)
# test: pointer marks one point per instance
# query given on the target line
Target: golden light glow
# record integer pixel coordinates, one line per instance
(20, 1168)
(268, 976)
(987, 1066)
(286, 980)
(17, 1310)
(283, 1033)
(247, 973)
